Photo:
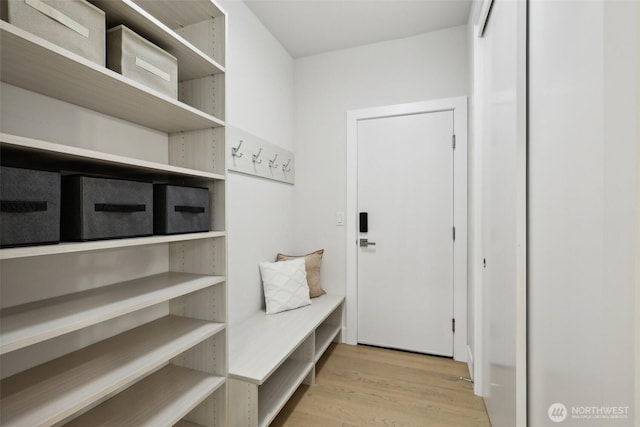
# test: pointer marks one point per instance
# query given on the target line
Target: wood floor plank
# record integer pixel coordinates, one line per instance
(360, 385)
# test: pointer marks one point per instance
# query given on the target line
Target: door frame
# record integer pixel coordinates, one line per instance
(458, 106)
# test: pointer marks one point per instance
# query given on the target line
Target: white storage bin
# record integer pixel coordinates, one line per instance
(142, 61)
(75, 25)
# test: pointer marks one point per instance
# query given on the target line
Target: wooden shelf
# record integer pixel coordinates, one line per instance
(33, 153)
(276, 391)
(65, 248)
(37, 65)
(324, 337)
(161, 399)
(175, 15)
(28, 324)
(52, 392)
(192, 63)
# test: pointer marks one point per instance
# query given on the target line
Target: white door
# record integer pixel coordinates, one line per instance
(405, 185)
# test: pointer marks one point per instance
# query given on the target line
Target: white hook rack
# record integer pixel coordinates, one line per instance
(274, 168)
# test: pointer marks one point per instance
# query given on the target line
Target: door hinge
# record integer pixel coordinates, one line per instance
(453, 141)
(453, 325)
(454, 234)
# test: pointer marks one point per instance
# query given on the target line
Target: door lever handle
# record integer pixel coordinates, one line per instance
(366, 243)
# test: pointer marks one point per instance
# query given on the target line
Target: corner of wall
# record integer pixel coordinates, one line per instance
(260, 101)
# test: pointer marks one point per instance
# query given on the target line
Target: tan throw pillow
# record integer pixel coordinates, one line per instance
(312, 263)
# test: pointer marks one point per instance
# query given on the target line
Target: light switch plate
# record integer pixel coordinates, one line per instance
(340, 218)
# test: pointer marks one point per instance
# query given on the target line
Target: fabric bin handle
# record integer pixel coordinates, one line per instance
(189, 209)
(111, 207)
(22, 206)
(56, 15)
(152, 69)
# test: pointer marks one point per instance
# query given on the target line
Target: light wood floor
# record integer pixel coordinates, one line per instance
(367, 386)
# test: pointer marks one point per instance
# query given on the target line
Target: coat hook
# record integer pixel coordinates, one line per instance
(234, 150)
(256, 156)
(272, 163)
(285, 167)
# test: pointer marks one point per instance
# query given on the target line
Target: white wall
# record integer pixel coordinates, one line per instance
(424, 67)
(583, 207)
(259, 101)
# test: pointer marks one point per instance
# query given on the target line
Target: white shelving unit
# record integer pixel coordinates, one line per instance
(197, 63)
(65, 248)
(271, 355)
(325, 335)
(28, 324)
(30, 152)
(35, 64)
(280, 386)
(169, 366)
(55, 391)
(160, 406)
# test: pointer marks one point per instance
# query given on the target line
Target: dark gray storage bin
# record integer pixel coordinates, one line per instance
(142, 61)
(180, 209)
(30, 207)
(75, 25)
(100, 208)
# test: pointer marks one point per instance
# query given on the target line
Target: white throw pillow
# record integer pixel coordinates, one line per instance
(285, 285)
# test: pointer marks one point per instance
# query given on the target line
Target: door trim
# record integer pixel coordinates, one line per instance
(459, 107)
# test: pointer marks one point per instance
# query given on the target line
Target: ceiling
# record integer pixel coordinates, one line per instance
(309, 27)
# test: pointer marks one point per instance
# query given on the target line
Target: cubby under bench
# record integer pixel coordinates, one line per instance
(271, 355)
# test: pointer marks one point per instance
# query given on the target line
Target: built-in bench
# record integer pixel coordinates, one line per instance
(271, 355)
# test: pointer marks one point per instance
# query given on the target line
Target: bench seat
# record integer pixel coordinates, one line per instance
(271, 355)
